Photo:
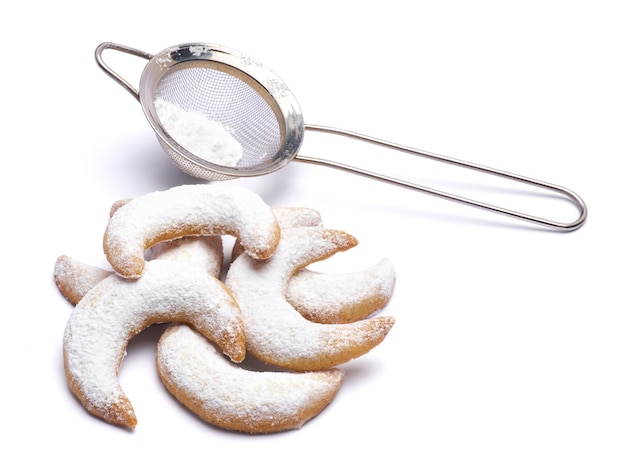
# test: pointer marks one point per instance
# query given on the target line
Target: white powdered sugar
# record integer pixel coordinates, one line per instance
(203, 137)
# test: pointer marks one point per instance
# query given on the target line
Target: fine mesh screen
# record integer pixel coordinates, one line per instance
(224, 98)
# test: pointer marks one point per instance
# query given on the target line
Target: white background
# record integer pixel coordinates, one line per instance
(509, 349)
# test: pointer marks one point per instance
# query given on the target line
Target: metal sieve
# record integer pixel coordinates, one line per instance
(256, 108)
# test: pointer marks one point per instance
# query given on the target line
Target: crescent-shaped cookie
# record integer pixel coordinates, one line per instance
(187, 210)
(74, 278)
(228, 396)
(340, 298)
(335, 298)
(275, 332)
(116, 309)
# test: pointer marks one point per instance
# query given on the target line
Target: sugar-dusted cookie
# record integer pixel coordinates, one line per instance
(74, 278)
(203, 251)
(116, 309)
(275, 332)
(338, 298)
(187, 210)
(228, 396)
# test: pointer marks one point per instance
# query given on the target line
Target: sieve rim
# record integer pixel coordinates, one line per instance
(263, 80)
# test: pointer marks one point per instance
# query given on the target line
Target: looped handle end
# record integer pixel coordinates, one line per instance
(110, 72)
(559, 226)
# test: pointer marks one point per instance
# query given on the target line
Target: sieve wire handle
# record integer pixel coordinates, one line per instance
(110, 72)
(560, 226)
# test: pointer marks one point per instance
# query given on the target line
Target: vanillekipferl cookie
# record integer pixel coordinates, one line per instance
(116, 309)
(228, 396)
(187, 210)
(341, 298)
(334, 298)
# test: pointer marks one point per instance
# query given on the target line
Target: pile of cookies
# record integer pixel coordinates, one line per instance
(167, 255)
